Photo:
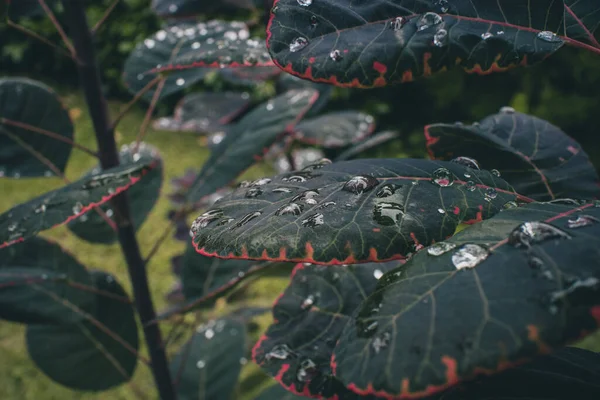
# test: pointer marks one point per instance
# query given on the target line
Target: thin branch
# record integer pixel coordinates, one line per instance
(146, 122)
(105, 16)
(159, 242)
(59, 28)
(135, 99)
(42, 39)
(51, 134)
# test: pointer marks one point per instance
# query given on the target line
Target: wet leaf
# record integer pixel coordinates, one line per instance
(288, 81)
(249, 139)
(301, 157)
(349, 212)
(69, 202)
(336, 129)
(309, 318)
(369, 143)
(142, 197)
(249, 76)
(582, 21)
(25, 101)
(277, 392)
(491, 297)
(534, 156)
(190, 8)
(83, 357)
(376, 43)
(39, 281)
(208, 365)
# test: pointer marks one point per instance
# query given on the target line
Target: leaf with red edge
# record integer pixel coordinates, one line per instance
(534, 156)
(349, 212)
(309, 318)
(190, 8)
(494, 295)
(335, 129)
(26, 106)
(69, 202)
(582, 21)
(369, 143)
(373, 43)
(142, 197)
(249, 139)
(163, 47)
(39, 281)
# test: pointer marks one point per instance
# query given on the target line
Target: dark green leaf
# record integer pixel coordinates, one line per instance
(69, 202)
(190, 8)
(249, 76)
(142, 197)
(289, 81)
(83, 357)
(582, 20)
(336, 129)
(249, 139)
(39, 282)
(309, 318)
(208, 366)
(534, 156)
(277, 392)
(496, 294)
(349, 212)
(24, 101)
(166, 45)
(369, 143)
(371, 43)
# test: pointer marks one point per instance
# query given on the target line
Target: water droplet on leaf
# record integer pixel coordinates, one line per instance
(442, 177)
(298, 44)
(336, 55)
(377, 274)
(313, 220)
(495, 172)
(279, 352)
(581, 221)
(380, 342)
(490, 194)
(305, 3)
(469, 256)
(427, 20)
(289, 209)
(440, 38)
(470, 186)
(203, 220)
(386, 190)
(253, 192)
(440, 248)
(466, 161)
(387, 213)
(360, 184)
(77, 208)
(486, 35)
(530, 233)
(306, 371)
(247, 218)
(548, 36)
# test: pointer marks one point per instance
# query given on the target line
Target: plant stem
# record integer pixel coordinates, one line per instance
(89, 77)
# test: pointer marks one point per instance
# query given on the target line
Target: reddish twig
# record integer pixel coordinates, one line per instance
(146, 122)
(135, 99)
(59, 28)
(42, 39)
(105, 16)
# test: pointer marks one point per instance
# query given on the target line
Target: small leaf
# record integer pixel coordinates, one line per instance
(309, 318)
(27, 105)
(369, 143)
(336, 129)
(142, 197)
(165, 46)
(208, 365)
(249, 139)
(39, 281)
(69, 202)
(534, 156)
(521, 284)
(393, 207)
(83, 357)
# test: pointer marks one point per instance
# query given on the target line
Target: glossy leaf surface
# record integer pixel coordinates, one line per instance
(536, 157)
(69, 202)
(29, 102)
(39, 281)
(83, 357)
(277, 392)
(582, 21)
(309, 318)
(249, 139)
(491, 297)
(369, 43)
(336, 129)
(165, 46)
(208, 365)
(349, 212)
(142, 197)
(369, 143)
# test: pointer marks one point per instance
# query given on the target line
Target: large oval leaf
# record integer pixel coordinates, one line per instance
(69, 202)
(349, 212)
(40, 281)
(370, 43)
(29, 102)
(336, 129)
(367, 144)
(142, 197)
(166, 45)
(309, 318)
(83, 357)
(208, 365)
(536, 157)
(249, 139)
(494, 295)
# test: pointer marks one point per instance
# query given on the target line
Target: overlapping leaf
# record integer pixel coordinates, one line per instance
(39, 281)
(494, 295)
(534, 156)
(25, 106)
(309, 318)
(69, 202)
(289, 81)
(166, 45)
(249, 139)
(207, 367)
(374, 43)
(335, 129)
(249, 76)
(142, 197)
(367, 144)
(82, 356)
(349, 212)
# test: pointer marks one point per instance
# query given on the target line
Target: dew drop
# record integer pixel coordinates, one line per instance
(469, 256)
(149, 43)
(440, 248)
(507, 110)
(247, 218)
(535, 232)
(377, 274)
(442, 177)
(306, 371)
(486, 35)
(386, 190)
(40, 209)
(317, 165)
(308, 302)
(367, 328)
(581, 221)
(427, 20)
(495, 172)
(295, 178)
(397, 23)
(298, 44)
(381, 342)
(470, 186)
(244, 184)
(180, 82)
(253, 192)
(387, 213)
(440, 38)
(490, 194)
(444, 6)
(305, 3)
(325, 205)
(314, 21)
(336, 55)
(12, 227)
(360, 184)
(77, 208)
(441, 211)
(548, 36)
(307, 197)
(209, 333)
(203, 220)
(313, 220)
(290, 209)
(200, 364)
(261, 181)
(509, 205)
(466, 161)
(243, 361)
(282, 190)
(279, 352)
